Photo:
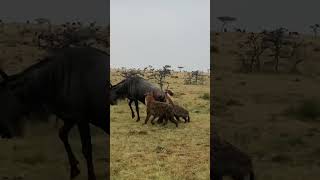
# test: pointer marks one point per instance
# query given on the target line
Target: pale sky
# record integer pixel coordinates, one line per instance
(58, 11)
(160, 32)
(257, 14)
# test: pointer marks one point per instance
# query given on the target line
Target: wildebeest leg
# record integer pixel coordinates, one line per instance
(130, 105)
(84, 130)
(152, 120)
(177, 118)
(185, 119)
(63, 134)
(165, 120)
(136, 103)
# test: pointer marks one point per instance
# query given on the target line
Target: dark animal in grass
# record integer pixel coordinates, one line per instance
(158, 109)
(73, 84)
(134, 88)
(228, 160)
(178, 110)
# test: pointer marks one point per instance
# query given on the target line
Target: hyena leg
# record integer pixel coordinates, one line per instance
(147, 118)
(165, 121)
(160, 120)
(185, 119)
(172, 120)
(152, 120)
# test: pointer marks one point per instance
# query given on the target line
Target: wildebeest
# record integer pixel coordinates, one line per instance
(73, 84)
(134, 88)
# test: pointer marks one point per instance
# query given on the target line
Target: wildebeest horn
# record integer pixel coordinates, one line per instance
(4, 75)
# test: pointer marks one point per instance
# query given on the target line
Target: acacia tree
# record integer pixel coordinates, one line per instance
(298, 53)
(276, 40)
(252, 49)
(180, 68)
(226, 20)
(126, 73)
(194, 77)
(1, 25)
(314, 29)
(160, 75)
(42, 21)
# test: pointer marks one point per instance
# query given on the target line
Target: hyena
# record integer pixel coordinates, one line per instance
(158, 109)
(177, 110)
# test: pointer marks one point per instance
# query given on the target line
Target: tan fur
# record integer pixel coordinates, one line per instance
(159, 110)
(178, 110)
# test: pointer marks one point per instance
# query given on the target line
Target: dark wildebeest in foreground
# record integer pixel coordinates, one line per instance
(73, 84)
(228, 160)
(134, 88)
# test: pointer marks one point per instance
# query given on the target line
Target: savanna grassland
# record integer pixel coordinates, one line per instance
(272, 116)
(140, 151)
(40, 155)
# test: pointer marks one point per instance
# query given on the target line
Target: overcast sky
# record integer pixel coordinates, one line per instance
(160, 32)
(56, 10)
(254, 15)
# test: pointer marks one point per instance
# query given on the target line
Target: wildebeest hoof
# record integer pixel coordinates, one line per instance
(74, 172)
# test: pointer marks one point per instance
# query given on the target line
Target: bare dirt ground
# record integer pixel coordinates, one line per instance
(40, 154)
(252, 111)
(159, 152)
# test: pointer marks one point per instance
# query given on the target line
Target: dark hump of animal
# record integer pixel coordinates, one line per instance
(135, 88)
(72, 82)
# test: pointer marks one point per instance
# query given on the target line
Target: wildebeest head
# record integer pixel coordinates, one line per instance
(113, 96)
(116, 93)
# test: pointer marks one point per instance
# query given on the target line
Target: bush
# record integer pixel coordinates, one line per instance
(205, 96)
(307, 109)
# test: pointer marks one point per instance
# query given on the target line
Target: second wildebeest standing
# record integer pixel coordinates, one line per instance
(73, 84)
(134, 88)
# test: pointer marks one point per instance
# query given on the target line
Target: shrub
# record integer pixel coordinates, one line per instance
(306, 110)
(205, 96)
